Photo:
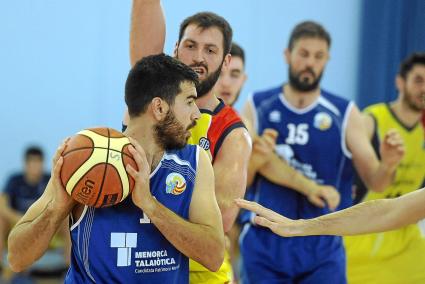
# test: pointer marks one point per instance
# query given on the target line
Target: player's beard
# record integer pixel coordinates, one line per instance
(208, 83)
(170, 133)
(303, 85)
(408, 99)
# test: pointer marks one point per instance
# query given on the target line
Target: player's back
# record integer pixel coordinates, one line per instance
(119, 244)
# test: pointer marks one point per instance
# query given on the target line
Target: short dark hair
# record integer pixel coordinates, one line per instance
(155, 76)
(205, 20)
(407, 65)
(33, 151)
(308, 29)
(237, 51)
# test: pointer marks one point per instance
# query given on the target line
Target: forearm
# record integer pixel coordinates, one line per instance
(202, 243)
(379, 179)
(279, 172)
(28, 240)
(147, 35)
(368, 217)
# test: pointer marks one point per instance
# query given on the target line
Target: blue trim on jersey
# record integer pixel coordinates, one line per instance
(118, 244)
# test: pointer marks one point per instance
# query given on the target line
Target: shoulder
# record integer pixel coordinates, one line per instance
(335, 103)
(265, 95)
(375, 108)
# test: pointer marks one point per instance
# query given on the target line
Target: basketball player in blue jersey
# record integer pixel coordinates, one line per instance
(204, 41)
(322, 136)
(147, 238)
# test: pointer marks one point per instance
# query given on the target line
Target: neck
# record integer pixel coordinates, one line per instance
(144, 136)
(406, 114)
(32, 179)
(208, 101)
(300, 99)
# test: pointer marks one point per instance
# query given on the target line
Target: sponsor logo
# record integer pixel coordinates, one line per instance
(204, 143)
(274, 116)
(322, 121)
(124, 242)
(175, 184)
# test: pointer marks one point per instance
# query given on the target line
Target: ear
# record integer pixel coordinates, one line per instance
(176, 47)
(399, 83)
(287, 55)
(226, 60)
(159, 108)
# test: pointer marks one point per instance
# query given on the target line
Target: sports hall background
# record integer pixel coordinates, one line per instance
(63, 64)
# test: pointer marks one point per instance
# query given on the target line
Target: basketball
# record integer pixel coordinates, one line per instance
(93, 171)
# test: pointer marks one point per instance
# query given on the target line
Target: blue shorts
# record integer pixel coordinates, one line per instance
(269, 258)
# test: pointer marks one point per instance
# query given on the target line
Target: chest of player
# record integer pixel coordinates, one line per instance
(314, 135)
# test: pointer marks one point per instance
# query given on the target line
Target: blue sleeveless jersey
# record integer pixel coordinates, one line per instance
(118, 244)
(311, 140)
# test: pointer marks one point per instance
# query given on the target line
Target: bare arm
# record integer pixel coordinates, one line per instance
(279, 172)
(377, 175)
(367, 217)
(230, 170)
(31, 236)
(201, 238)
(147, 35)
(11, 215)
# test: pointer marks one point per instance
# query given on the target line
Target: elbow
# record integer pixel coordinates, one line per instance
(215, 259)
(14, 263)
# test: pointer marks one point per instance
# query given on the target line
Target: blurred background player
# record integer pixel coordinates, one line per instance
(20, 192)
(203, 44)
(391, 257)
(321, 135)
(232, 77)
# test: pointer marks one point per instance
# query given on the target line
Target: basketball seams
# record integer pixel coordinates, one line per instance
(87, 164)
(104, 171)
(85, 148)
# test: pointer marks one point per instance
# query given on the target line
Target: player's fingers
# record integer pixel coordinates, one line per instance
(56, 172)
(269, 132)
(137, 146)
(258, 209)
(263, 222)
(59, 151)
(132, 172)
(316, 200)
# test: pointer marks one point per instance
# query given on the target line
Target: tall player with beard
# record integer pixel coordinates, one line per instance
(146, 238)
(322, 136)
(204, 43)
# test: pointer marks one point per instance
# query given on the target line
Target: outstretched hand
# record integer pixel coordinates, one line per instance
(279, 224)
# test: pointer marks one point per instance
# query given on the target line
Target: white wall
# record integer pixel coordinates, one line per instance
(63, 64)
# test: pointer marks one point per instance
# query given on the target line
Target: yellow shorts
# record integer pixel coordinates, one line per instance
(198, 274)
(395, 257)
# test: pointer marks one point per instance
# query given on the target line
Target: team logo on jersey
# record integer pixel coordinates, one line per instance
(176, 184)
(274, 116)
(322, 121)
(124, 242)
(204, 143)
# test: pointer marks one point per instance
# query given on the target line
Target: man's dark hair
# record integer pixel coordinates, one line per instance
(407, 65)
(155, 76)
(308, 29)
(237, 51)
(33, 151)
(206, 20)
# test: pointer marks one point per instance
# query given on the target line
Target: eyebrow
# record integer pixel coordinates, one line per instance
(191, 97)
(195, 42)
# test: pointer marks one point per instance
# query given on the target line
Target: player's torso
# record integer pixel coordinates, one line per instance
(410, 173)
(119, 244)
(311, 140)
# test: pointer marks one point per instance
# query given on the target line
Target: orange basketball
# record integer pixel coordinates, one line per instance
(93, 170)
